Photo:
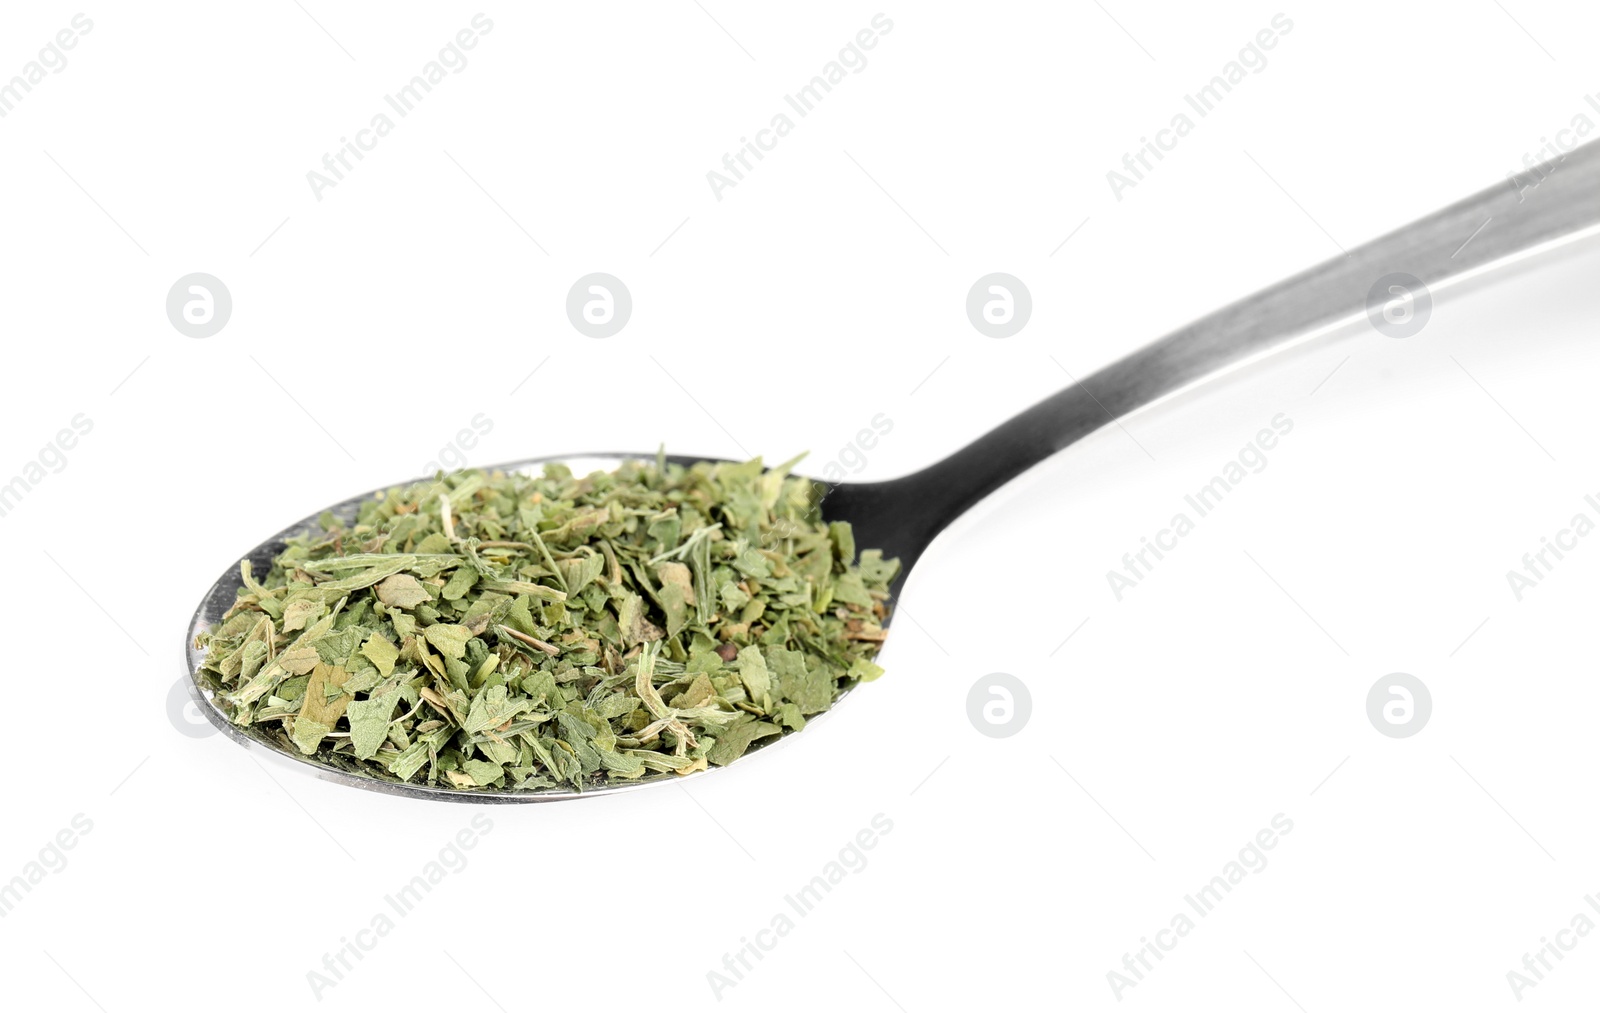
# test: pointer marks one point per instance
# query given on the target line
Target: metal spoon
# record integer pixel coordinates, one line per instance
(1553, 204)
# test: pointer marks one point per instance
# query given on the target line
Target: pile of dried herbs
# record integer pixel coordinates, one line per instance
(536, 632)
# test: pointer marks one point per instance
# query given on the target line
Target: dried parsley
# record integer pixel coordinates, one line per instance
(508, 631)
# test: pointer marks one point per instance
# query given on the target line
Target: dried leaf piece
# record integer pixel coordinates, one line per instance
(449, 640)
(734, 741)
(757, 681)
(297, 613)
(381, 653)
(369, 723)
(402, 591)
(482, 772)
(677, 595)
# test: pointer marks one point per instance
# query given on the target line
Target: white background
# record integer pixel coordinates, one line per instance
(827, 287)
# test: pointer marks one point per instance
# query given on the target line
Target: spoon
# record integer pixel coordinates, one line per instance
(1556, 203)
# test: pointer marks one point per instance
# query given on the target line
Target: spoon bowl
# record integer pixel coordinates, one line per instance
(221, 596)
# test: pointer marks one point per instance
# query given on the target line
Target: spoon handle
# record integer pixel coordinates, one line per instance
(1554, 201)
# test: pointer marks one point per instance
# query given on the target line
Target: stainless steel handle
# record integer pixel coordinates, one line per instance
(1558, 200)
